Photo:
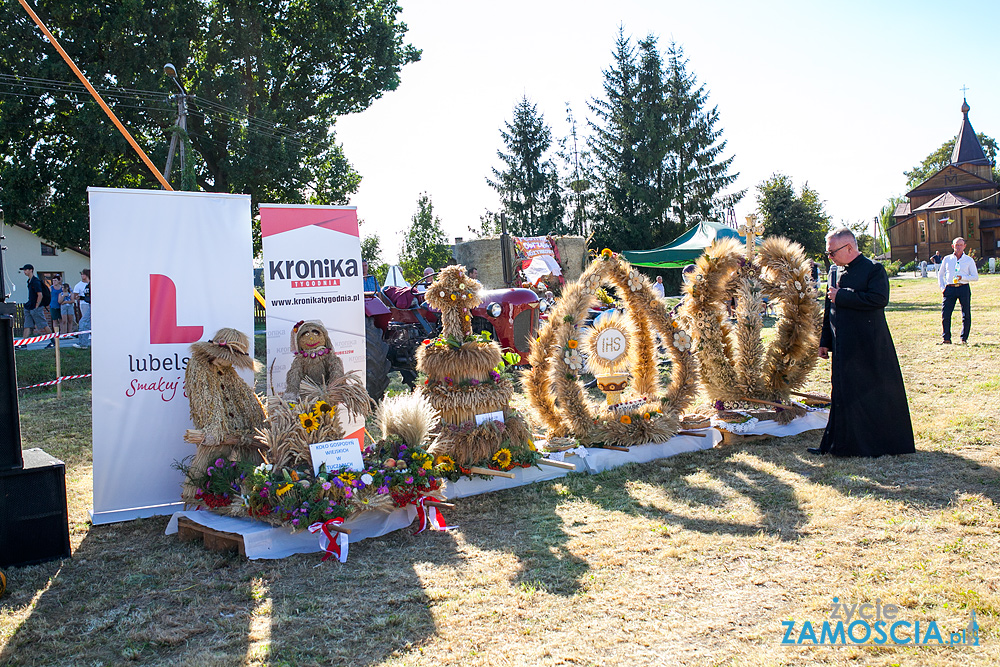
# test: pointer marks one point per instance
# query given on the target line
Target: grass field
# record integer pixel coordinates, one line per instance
(692, 560)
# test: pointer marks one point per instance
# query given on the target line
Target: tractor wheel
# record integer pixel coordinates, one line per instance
(377, 364)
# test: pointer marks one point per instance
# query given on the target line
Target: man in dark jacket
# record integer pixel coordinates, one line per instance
(868, 413)
(34, 308)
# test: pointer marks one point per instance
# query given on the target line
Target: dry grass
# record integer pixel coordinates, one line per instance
(692, 560)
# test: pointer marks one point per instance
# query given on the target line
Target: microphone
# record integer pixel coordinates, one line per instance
(835, 275)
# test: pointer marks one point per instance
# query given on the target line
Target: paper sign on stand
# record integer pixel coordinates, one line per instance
(336, 454)
(490, 417)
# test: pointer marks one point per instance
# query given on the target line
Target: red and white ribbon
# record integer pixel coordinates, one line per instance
(58, 380)
(429, 516)
(333, 546)
(38, 339)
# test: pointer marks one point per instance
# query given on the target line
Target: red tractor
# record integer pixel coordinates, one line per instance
(397, 321)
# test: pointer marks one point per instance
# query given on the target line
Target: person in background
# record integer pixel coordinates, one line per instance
(81, 295)
(550, 298)
(371, 283)
(658, 287)
(956, 272)
(66, 315)
(55, 314)
(34, 308)
(425, 282)
(936, 260)
(474, 273)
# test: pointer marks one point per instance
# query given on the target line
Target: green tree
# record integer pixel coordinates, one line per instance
(578, 169)
(700, 173)
(658, 152)
(801, 217)
(613, 142)
(941, 158)
(424, 242)
(528, 183)
(270, 80)
(371, 252)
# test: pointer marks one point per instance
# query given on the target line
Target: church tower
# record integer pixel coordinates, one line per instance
(961, 199)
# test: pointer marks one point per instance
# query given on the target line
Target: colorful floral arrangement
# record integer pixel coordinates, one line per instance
(298, 498)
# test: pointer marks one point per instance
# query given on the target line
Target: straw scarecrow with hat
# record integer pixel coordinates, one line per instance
(314, 358)
(225, 411)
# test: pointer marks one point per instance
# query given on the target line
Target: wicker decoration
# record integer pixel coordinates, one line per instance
(734, 364)
(225, 411)
(552, 385)
(462, 378)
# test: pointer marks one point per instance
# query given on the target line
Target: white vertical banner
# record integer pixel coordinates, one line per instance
(169, 269)
(312, 271)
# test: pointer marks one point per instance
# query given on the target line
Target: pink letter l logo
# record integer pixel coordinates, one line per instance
(163, 314)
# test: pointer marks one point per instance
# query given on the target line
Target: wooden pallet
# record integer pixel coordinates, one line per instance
(214, 540)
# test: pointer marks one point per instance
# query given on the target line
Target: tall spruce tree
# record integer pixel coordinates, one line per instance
(657, 150)
(699, 173)
(528, 183)
(613, 142)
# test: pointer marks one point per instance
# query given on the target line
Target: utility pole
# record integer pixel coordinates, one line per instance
(176, 140)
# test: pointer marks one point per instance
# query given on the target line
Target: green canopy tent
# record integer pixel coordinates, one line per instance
(686, 248)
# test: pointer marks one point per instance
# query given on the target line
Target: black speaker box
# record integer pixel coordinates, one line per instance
(34, 522)
(10, 425)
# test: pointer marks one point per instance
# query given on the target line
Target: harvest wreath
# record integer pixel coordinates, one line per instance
(552, 385)
(735, 368)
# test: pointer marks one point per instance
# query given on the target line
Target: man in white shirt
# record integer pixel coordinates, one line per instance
(658, 286)
(956, 272)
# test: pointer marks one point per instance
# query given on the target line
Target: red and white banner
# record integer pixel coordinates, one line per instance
(169, 269)
(312, 271)
(538, 258)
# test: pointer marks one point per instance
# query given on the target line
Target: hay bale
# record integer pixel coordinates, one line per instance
(484, 254)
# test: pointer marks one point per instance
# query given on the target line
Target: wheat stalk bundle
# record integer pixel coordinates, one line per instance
(470, 360)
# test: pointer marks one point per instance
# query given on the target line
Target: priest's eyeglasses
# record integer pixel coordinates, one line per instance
(831, 253)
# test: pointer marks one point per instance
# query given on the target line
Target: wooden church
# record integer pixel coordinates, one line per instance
(959, 200)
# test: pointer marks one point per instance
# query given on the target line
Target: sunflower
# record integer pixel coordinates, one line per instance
(646, 416)
(309, 422)
(625, 419)
(606, 253)
(283, 490)
(346, 477)
(531, 446)
(571, 344)
(503, 458)
(445, 463)
(322, 409)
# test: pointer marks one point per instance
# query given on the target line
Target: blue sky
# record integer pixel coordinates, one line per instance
(843, 95)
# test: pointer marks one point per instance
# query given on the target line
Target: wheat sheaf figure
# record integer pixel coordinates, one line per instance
(733, 362)
(552, 384)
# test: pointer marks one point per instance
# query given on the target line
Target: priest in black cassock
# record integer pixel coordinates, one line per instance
(868, 414)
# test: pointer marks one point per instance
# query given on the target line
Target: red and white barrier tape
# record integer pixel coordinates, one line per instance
(57, 381)
(37, 339)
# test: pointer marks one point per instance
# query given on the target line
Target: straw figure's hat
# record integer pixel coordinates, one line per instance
(228, 347)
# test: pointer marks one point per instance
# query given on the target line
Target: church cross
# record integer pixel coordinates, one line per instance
(963, 90)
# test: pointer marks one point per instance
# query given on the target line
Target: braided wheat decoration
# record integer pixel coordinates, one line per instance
(734, 364)
(552, 384)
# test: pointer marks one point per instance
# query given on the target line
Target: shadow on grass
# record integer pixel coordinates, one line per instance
(927, 479)
(911, 306)
(131, 593)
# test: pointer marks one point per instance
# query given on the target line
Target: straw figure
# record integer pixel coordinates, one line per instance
(736, 368)
(463, 380)
(649, 414)
(225, 411)
(314, 358)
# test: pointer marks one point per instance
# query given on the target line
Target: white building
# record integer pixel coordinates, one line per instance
(23, 247)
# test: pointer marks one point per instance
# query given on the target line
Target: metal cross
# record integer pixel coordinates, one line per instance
(963, 90)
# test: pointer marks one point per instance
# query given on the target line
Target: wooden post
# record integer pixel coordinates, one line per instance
(58, 364)
(557, 464)
(494, 473)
